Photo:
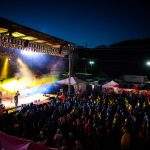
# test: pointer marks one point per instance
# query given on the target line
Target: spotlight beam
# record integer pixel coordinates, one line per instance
(4, 72)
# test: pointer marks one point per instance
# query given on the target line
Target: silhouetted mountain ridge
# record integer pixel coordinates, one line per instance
(133, 43)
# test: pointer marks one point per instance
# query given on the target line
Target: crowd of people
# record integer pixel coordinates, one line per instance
(84, 121)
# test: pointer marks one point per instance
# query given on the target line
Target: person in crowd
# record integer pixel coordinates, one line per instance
(84, 122)
(63, 97)
(125, 139)
(58, 138)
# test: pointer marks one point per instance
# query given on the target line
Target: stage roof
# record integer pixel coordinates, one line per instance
(10, 29)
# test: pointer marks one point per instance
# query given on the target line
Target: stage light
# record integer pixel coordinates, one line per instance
(31, 54)
(28, 53)
(10, 85)
(26, 42)
(4, 72)
(19, 60)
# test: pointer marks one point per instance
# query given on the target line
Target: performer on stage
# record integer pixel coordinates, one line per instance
(16, 98)
(0, 97)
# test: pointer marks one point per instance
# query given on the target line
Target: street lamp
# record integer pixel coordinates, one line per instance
(148, 63)
(91, 62)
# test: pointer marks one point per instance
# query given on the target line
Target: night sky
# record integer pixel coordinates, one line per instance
(95, 22)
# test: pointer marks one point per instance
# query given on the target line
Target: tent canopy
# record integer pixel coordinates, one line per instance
(110, 84)
(73, 81)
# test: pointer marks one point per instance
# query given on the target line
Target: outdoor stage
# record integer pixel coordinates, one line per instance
(35, 99)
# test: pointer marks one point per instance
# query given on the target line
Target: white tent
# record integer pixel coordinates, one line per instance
(77, 83)
(73, 81)
(111, 84)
